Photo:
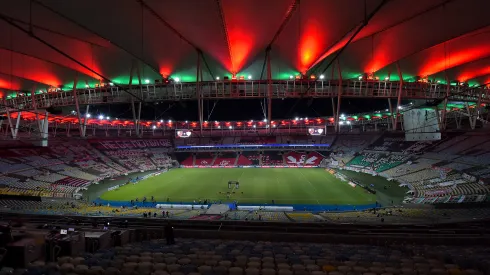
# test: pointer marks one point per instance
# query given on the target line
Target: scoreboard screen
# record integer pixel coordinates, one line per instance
(316, 131)
(183, 133)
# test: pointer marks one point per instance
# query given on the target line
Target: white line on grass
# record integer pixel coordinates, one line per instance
(316, 190)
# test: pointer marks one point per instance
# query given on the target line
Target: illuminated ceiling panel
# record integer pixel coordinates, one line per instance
(411, 32)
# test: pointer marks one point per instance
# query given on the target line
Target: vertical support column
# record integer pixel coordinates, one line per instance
(138, 73)
(9, 118)
(45, 128)
(77, 106)
(339, 98)
(133, 109)
(85, 119)
(269, 91)
(438, 117)
(399, 99)
(393, 123)
(198, 91)
(140, 131)
(34, 107)
(444, 106)
(17, 124)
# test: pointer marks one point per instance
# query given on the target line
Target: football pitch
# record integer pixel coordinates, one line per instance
(257, 186)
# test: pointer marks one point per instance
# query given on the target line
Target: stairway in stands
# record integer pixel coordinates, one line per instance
(214, 159)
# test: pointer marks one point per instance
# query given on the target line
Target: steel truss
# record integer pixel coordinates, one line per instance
(243, 89)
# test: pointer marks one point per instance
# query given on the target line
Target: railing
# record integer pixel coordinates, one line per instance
(250, 89)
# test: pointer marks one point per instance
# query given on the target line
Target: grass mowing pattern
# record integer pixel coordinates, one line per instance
(259, 186)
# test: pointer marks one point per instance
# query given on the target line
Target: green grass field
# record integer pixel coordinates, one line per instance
(259, 185)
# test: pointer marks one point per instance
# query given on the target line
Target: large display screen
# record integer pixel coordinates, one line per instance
(316, 131)
(183, 133)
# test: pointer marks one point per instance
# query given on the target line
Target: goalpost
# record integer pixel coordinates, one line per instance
(231, 183)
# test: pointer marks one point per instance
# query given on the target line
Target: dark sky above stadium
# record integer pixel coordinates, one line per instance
(241, 109)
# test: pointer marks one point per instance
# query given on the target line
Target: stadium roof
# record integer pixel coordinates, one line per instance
(439, 39)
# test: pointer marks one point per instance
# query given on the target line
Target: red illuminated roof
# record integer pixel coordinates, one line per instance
(428, 38)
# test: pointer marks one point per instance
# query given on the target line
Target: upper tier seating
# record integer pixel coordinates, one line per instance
(303, 158)
(225, 159)
(272, 158)
(352, 143)
(204, 159)
(254, 157)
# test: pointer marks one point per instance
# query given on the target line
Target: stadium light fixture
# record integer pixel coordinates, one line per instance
(296, 118)
(254, 126)
(108, 118)
(360, 77)
(438, 81)
(87, 115)
(186, 121)
(322, 76)
(411, 103)
(154, 127)
(111, 84)
(400, 107)
(249, 77)
(86, 86)
(217, 78)
(205, 121)
(161, 120)
(386, 110)
(101, 117)
(291, 77)
(348, 122)
(265, 119)
(387, 78)
(231, 127)
(147, 81)
(169, 121)
(73, 112)
(177, 79)
(274, 125)
(219, 127)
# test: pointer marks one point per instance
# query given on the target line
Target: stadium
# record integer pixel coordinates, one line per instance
(258, 137)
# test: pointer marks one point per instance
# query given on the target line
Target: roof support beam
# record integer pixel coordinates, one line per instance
(399, 98)
(339, 98)
(59, 51)
(44, 60)
(175, 31)
(198, 91)
(269, 93)
(358, 30)
(289, 13)
(77, 107)
(95, 33)
(227, 37)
